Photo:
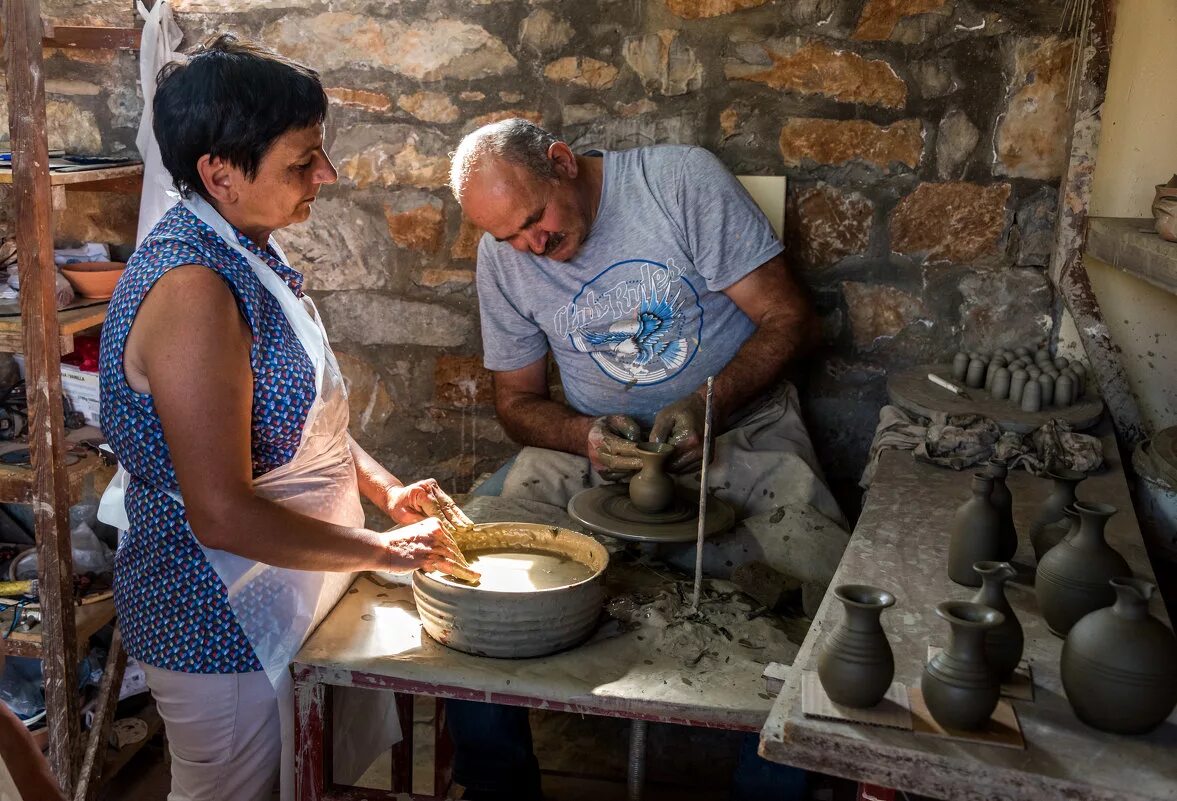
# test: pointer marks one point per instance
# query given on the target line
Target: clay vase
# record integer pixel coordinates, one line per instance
(855, 664)
(1004, 501)
(959, 686)
(1004, 644)
(1054, 533)
(1164, 210)
(1119, 664)
(1072, 579)
(1051, 511)
(976, 534)
(651, 490)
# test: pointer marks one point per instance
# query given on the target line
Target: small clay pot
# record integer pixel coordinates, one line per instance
(1032, 396)
(960, 366)
(651, 490)
(1064, 390)
(1017, 383)
(958, 684)
(1000, 388)
(855, 664)
(1003, 644)
(1003, 500)
(976, 533)
(1034, 371)
(1119, 664)
(1061, 362)
(975, 377)
(1164, 210)
(1061, 496)
(1072, 578)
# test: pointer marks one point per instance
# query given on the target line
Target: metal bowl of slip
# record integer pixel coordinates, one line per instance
(541, 591)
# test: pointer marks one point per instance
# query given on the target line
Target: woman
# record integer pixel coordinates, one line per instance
(225, 407)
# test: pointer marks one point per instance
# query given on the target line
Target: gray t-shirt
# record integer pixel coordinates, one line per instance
(638, 318)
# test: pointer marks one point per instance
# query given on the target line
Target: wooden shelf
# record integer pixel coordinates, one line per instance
(88, 619)
(69, 322)
(16, 482)
(1131, 245)
(85, 179)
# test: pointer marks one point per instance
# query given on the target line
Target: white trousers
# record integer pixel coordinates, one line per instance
(223, 733)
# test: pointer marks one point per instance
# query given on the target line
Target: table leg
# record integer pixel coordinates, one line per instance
(443, 752)
(637, 760)
(310, 712)
(402, 752)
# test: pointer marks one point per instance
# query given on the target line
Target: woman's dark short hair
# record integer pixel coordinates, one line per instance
(230, 99)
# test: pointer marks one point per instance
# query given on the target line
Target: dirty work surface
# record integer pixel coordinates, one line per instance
(650, 658)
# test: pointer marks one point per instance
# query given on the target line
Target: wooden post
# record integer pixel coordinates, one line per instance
(108, 697)
(1066, 265)
(38, 306)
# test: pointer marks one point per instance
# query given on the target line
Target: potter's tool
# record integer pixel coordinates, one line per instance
(948, 385)
(702, 530)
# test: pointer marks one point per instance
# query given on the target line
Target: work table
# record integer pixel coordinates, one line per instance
(900, 544)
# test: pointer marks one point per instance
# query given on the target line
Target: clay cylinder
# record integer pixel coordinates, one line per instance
(1000, 387)
(976, 374)
(1034, 371)
(1041, 357)
(960, 366)
(1021, 351)
(1064, 391)
(1017, 382)
(1061, 362)
(1032, 397)
(1046, 381)
(990, 372)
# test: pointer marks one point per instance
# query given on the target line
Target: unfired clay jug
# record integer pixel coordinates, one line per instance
(959, 685)
(1004, 644)
(1003, 499)
(1072, 579)
(855, 664)
(976, 533)
(1061, 496)
(651, 490)
(1119, 664)
(1054, 533)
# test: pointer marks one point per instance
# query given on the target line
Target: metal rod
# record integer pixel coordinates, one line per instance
(636, 778)
(703, 495)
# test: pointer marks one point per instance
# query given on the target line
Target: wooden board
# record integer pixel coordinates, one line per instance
(69, 321)
(16, 483)
(79, 178)
(88, 619)
(911, 390)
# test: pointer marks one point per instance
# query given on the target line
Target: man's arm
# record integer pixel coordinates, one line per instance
(531, 417)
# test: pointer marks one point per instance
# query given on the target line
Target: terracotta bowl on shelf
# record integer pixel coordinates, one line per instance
(94, 279)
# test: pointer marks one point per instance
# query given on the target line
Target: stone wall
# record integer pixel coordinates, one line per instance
(923, 141)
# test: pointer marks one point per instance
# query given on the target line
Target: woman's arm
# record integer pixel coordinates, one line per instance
(404, 504)
(190, 347)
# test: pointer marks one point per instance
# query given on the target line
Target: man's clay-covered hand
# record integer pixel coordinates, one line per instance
(681, 424)
(612, 446)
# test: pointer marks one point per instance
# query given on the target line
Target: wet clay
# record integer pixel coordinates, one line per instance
(514, 570)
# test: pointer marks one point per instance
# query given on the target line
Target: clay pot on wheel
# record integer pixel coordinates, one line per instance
(1072, 579)
(959, 685)
(1051, 511)
(1119, 664)
(976, 533)
(1004, 644)
(651, 490)
(855, 664)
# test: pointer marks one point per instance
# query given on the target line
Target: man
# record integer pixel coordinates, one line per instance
(643, 272)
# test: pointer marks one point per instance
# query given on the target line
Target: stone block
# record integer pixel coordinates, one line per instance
(1034, 130)
(435, 278)
(506, 114)
(583, 71)
(544, 32)
(1004, 309)
(462, 381)
(838, 142)
(879, 17)
(957, 222)
(340, 247)
(878, 312)
(825, 225)
(427, 50)
(369, 402)
(394, 155)
(358, 98)
(466, 243)
(956, 139)
(703, 9)
(429, 106)
(584, 112)
(1035, 223)
(664, 62)
(419, 227)
(369, 318)
(813, 68)
(96, 217)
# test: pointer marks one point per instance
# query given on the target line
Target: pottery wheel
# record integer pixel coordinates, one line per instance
(608, 510)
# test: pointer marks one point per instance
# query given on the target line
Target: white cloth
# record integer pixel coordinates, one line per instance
(277, 607)
(223, 733)
(764, 466)
(159, 45)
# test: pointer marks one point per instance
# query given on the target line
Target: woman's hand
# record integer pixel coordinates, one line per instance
(415, 502)
(425, 545)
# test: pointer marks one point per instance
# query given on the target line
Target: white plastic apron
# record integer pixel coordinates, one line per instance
(276, 607)
(159, 45)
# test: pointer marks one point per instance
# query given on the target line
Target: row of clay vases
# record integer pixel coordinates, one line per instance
(855, 664)
(1119, 664)
(983, 526)
(1052, 524)
(1072, 578)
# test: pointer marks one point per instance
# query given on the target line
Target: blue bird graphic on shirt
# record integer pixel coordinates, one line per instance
(653, 335)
